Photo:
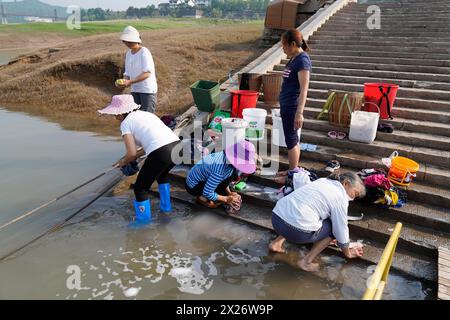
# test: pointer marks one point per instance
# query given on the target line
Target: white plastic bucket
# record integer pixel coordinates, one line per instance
(277, 129)
(233, 130)
(256, 119)
(363, 126)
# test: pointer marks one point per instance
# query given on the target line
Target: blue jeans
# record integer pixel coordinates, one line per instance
(146, 100)
(296, 235)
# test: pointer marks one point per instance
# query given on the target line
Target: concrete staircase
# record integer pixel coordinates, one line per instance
(413, 50)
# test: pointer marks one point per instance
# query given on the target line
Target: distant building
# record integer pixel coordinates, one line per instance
(175, 3)
(190, 3)
(204, 3)
(37, 19)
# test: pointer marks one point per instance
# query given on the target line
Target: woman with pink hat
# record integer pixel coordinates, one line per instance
(139, 71)
(208, 180)
(144, 129)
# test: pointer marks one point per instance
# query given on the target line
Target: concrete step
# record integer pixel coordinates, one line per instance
(396, 16)
(419, 11)
(383, 69)
(384, 35)
(402, 107)
(388, 43)
(378, 60)
(406, 137)
(420, 214)
(417, 239)
(404, 261)
(314, 106)
(432, 41)
(428, 174)
(385, 24)
(415, 93)
(375, 47)
(320, 74)
(422, 155)
(381, 53)
(418, 191)
(351, 69)
(407, 18)
(363, 28)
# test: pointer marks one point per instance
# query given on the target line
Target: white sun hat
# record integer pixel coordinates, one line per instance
(130, 34)
(120, 104)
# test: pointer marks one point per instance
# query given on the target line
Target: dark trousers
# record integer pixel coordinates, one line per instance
(146, 100)
(295, 235)
(288, 118)
(198, 189)
(156, 167)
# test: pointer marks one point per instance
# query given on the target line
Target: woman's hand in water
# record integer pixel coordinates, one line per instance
(233, 199)
(356, 252)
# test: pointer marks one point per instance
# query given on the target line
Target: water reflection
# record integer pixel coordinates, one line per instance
(180, 256)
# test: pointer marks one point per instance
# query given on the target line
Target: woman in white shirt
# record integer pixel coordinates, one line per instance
(317, 213)
(139, 71)
(146, 130)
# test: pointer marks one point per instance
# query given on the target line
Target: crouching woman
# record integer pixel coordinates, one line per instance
(146, 130)
(317, 213)
(209, 179)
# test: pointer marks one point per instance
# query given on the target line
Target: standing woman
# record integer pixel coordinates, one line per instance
(139, 71)
(146, 130)
(294, 91)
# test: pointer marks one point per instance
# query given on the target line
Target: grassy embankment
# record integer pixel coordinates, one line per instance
(68, 86)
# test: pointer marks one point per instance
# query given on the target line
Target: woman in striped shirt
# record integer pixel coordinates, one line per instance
(208, 180)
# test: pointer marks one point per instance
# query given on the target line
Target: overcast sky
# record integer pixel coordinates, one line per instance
(105, 4)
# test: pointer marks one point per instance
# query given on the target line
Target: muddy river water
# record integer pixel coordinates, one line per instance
(184, 255)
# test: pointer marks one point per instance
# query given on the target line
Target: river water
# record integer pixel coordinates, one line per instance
(184, 255)
(8, 54)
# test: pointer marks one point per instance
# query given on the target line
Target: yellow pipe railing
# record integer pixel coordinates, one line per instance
(378, 280)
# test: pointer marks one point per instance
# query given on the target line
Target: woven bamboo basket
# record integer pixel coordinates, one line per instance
(342, 106)
(271, 88)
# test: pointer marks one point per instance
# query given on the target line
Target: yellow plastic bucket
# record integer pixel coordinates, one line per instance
(402, 171)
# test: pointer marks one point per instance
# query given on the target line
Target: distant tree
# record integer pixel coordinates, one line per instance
(130, 12)
(216, 13)
(164, 9)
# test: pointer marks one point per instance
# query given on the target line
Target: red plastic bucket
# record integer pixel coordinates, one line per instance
(242, 99)
(381, 94)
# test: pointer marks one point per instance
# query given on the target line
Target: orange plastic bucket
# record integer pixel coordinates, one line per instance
(402, 171)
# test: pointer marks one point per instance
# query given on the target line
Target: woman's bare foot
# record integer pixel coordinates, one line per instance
(310, 267)
(277, 245)
(207, 203)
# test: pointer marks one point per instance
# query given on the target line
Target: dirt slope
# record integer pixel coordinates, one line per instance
(77, 80)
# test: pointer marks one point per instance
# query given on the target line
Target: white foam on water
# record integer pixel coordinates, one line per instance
(110, 296)
(180, 272)
(131, 292)
(371, 269)
(241, 257)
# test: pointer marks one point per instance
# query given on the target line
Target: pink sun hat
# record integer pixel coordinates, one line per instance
(242, 156)
(120, 104)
